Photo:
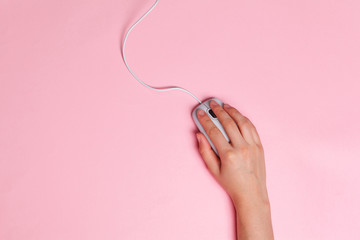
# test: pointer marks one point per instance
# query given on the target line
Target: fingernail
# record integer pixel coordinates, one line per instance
(201, 112)
(198, 137)
(226, 106)
(213, 103)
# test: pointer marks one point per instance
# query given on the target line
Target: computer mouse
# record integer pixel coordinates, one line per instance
(206, 107)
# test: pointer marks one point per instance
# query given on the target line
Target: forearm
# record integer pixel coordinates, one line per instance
(253, 219)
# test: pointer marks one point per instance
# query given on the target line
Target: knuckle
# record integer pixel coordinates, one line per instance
(229, 155)
(227, 123)
(252, 125)
(217, 107)
(236, 113)
(206, 123)
(202, 152)
(232, 109)
(245, 122)
(219, 111)
(213, 131)
(257, 149)
(260, 147)
(245, 152)
(254, 148)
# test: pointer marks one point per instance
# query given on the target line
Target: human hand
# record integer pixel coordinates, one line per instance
(240, 170)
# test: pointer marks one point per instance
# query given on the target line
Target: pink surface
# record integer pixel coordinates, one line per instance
(86, 152)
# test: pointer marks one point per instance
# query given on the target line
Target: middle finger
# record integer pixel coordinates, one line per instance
(228, 123)
(215, 135)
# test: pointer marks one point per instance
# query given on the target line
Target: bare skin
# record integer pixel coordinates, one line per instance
(239, 169)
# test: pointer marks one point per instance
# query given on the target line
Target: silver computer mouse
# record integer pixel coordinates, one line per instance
(206, 107)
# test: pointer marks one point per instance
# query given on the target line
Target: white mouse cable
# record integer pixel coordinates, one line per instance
(124, 58)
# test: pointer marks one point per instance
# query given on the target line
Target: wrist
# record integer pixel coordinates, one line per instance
(251, 203)
(253, 195)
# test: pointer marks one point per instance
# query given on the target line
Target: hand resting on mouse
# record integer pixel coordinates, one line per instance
(239, 169)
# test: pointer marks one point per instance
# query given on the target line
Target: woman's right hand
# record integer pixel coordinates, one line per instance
(240, 168)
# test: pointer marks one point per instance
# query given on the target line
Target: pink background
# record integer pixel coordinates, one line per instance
(86, 152)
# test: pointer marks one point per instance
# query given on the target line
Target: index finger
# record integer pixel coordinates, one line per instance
(216, 137)
(228, 123)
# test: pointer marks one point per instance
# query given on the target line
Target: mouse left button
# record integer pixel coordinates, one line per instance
(212, 113)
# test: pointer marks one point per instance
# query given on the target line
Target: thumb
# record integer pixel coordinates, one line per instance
(211, 160)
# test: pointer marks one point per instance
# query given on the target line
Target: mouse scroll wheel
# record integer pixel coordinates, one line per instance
(212, 113)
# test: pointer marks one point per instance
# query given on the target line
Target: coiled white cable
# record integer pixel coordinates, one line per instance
(127, 65)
